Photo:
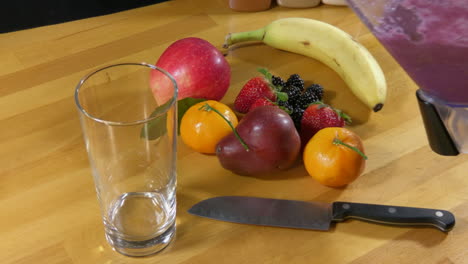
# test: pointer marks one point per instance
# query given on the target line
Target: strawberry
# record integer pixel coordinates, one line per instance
(262, 101)
(318, 116)
(255, 88)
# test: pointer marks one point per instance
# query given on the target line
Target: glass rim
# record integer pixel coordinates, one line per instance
(164, 109)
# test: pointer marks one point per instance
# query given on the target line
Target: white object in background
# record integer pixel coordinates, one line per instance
(335, 2)
(299, 3)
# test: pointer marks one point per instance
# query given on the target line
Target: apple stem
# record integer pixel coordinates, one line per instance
(254, 35)
(207, 107)
(337, 141)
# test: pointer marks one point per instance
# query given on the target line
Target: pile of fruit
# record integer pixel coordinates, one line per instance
(281, 121)
(274, 121)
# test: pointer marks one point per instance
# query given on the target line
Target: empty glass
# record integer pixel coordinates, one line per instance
(131, 144)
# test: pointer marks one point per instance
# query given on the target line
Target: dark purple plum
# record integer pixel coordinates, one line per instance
(273, 142)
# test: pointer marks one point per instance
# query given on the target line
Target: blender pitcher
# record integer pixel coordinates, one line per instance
(429, 39)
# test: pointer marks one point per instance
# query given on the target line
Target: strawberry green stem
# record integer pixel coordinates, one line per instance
(337, 141)
(254, 35)
(207, 107)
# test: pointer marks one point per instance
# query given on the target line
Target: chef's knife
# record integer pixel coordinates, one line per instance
(315, 215)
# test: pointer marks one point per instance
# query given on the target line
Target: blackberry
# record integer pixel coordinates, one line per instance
(306, 99)
(295, 80)
(277, 81)
(285, 104)
(316, 89)
(293, 93)
(297, 117)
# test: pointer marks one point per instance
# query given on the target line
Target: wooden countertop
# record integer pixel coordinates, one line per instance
(49, 211)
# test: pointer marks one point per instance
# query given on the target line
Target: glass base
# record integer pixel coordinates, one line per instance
(142, 248)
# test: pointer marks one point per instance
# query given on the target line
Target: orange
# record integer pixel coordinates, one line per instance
(333, 164)
(201, 130)
(170, 125)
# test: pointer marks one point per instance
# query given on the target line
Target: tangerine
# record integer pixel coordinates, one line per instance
(202, 129)
(334, 156)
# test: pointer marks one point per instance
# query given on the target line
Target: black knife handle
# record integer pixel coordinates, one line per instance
(394, 215)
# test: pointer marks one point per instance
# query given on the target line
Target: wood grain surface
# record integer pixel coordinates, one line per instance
(48, 206)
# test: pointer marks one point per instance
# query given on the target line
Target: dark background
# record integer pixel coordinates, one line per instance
(23, 14)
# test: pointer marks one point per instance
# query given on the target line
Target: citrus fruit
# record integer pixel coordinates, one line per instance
(334, 156)
(201, 129)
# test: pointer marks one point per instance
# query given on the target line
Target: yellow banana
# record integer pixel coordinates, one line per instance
(328, 44)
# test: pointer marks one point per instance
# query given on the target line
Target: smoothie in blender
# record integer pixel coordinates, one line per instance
(429, 39)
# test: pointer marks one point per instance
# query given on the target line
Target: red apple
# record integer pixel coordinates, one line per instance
(199, 68)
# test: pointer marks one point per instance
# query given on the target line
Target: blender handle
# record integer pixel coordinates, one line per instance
(439, 139)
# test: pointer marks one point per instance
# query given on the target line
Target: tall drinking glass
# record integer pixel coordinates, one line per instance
(131, 144)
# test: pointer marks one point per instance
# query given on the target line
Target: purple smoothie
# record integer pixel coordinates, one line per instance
(429, 39)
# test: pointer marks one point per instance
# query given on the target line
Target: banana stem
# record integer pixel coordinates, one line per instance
(254, 35)
(207, 107)
(339, 142)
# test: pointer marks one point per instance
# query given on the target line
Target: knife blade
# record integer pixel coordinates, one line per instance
(316, 215)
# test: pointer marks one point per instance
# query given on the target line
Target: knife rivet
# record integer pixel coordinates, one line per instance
(392, 210)
(439, 214)
(346, 206)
